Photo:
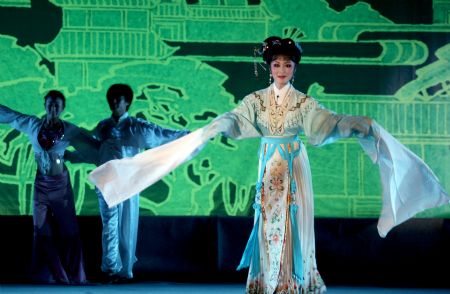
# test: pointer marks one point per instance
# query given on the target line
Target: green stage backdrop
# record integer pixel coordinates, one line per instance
(190, 60)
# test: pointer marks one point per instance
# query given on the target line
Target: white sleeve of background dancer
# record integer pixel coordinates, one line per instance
(409, 185)
(120, 179)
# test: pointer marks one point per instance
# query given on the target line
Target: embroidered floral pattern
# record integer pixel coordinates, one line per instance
(275, 205)
(291, 287)
(274, 235)
(277, 174)
(261, 101)
(299, 103)
(276, 183)
(260, 109)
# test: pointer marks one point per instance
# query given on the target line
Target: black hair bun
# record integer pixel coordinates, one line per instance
(277, 46)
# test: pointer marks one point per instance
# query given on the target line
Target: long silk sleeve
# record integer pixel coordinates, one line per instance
(120, 179)
(409, 185)
(239, 123)
(319, 124)
(244, 120)
(323, 126)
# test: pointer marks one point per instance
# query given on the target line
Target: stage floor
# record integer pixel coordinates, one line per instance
(177, 288)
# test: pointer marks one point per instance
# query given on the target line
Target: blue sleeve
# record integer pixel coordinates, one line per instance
(85, 144)
(96, 134)
(153, 135)
(21, 122)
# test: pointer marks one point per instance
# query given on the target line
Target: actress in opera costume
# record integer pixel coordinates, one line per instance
(280, 252)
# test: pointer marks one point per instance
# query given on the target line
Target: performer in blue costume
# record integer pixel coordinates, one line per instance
(57, 252)
(122, 136)
(281, 248)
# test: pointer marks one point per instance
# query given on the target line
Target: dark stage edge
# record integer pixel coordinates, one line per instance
(177, 288)
(206, 250)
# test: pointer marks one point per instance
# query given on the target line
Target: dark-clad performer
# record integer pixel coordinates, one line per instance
(123, 136)
(57, 252)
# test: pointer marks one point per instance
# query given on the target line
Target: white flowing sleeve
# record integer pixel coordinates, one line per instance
(323, 126)
(409, 185)
(240, 123)
(120, 179)
(319, 123)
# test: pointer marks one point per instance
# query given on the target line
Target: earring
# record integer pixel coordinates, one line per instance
(270, 79)
(292, 80)
(255, 66)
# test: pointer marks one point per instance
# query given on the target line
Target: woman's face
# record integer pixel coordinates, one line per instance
(282, 69)
(54, 107)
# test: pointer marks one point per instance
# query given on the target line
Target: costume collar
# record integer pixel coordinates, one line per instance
(280, 94)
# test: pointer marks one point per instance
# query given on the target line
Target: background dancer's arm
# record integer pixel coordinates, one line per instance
(16, 120)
